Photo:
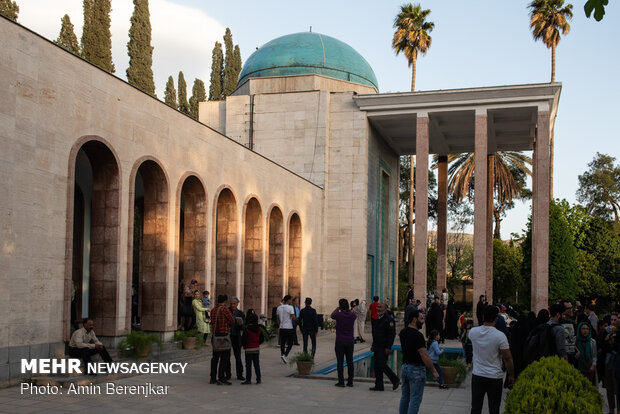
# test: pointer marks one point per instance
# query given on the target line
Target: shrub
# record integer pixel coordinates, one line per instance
(550, 386)
(180, 335)
(301, 357)
(135, 342)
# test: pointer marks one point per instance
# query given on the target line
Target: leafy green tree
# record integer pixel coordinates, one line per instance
(431, 268)
(563, 271)
(232, 64)
(507, 277)
(140, 71)
(96, 36)
(199, 94)
(170, 95)
(217, 73)
(237, 63)
(183, 105)
(67, 37)
(598, 6)
(547, 19)
(9, 9)
(599, 187)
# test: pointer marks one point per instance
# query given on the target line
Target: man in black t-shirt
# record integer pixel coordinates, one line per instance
(415, 362)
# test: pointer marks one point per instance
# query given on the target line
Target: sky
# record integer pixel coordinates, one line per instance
(475, 43)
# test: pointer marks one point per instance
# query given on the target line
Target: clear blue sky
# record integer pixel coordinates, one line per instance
(475, 43)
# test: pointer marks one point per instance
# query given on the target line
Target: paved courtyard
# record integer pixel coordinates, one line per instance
(279, 391)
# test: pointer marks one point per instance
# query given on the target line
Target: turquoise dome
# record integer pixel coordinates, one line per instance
(308, 53)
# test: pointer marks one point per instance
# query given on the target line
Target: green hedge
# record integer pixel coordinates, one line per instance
(551, 386)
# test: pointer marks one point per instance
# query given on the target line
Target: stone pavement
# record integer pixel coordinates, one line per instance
(280, 391)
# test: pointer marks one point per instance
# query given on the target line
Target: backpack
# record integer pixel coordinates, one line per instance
(539, 344)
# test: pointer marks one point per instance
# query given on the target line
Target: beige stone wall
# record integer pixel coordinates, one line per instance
(52, 102)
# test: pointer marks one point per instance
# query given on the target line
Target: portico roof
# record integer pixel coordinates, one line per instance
(512, 114)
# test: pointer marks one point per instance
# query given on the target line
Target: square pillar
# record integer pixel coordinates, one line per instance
(490, 207)
(480, 205)
(540, 214)
(421, 206)
(442, 221)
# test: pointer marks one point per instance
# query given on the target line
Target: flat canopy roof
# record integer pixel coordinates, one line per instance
(512, 114)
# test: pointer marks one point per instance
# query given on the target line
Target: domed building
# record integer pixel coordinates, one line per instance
(294, 105)
(116, 204)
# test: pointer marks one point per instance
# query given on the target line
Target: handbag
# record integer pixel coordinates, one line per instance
(221, 342)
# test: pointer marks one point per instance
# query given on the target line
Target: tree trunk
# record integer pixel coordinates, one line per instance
(552, 64)
(410, 221)
(413, 70)
(497, 215)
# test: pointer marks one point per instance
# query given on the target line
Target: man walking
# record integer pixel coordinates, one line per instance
(345, 320)
(285, 317)
(236, 329)
(490, 346)
(309, 325)
(415, 362)
(220, 361)
(383, 334)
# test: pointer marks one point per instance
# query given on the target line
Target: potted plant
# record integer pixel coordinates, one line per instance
(304, 362)
(272, 331)
(454, 371)
(191, 339)
(330, 325)
(138, 344)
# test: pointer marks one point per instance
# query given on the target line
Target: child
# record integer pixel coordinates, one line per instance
(467, 345)
(206, 302)
(434, 352)
(251, 339)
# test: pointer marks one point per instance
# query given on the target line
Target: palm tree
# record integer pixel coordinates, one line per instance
(412, 37)
(509, 179)
(547, 19)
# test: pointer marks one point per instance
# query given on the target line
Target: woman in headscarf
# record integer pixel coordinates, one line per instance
(586, 352)
(543, 317)
(451, 329)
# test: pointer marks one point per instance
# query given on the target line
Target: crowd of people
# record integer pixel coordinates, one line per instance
(499, 348)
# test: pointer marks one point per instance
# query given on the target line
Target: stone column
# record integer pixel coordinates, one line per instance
(480, 205)
(421, 206)
(442, 221)
(540, 215)
(489, 238)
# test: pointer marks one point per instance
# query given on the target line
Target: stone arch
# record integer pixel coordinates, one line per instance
(275, 260)
(149, 211)
(226, 237)
(252, 255)
(93, 223)
(192, 228)
(294, 255)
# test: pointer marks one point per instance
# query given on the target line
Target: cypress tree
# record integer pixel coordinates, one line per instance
(230, 80)
(199, 94)
(96, 36)
(217, 73)
(67, 37)
(9, 9)
(140, 72)
(237, 60)
(170, 95)
(183, 105)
